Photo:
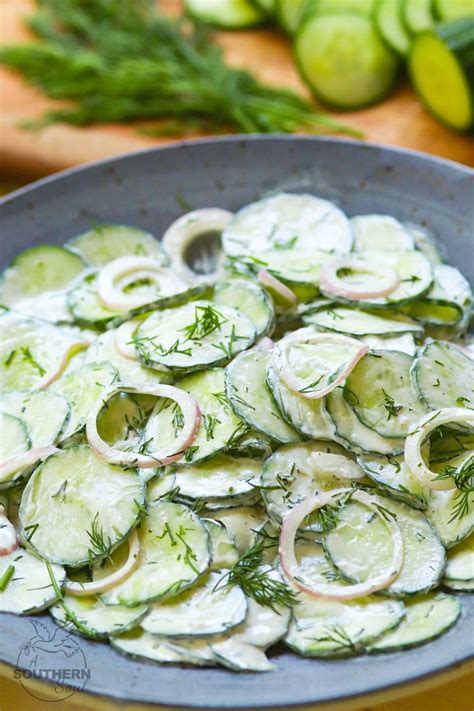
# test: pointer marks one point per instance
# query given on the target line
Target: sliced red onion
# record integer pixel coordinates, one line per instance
(183, 231)
(293, 520)
(51, 376)
(123, 338)
(309, 336)
(331, 282)
(191, 417)
(8, 537)
(24, 461)
(277, 286)
(99, 586)
(414, 441)
(122, 272)
(335, 465)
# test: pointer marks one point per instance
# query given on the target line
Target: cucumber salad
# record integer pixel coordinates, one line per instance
(257, 429)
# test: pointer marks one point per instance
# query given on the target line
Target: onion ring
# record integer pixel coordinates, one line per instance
(292, 522)
(68, 353)
(331, 282)
(192, 421)
(100, 586)
(123, 337)
(415, 439)
(25, 460)
(120, 273)
(8, 537)
(305, 335)
(277, 286)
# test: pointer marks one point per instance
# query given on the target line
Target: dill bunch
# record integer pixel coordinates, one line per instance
(121, 60)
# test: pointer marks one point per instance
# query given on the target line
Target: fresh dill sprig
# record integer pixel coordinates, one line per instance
(207, 319)
(26, 355)
(100, 546)
(69, 615)
(337, 636)
(389, 405)
(464, 480)
(121, 60)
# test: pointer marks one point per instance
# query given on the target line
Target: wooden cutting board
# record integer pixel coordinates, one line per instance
(399, 121)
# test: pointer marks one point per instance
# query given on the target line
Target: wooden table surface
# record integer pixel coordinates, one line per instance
(400, 120)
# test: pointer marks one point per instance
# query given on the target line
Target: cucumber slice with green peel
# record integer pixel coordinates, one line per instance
(220, 478)
(444, 376)
(381, 392)
(426, 618)
(121, 423)
(356, 436)
(394, 477)
(76, 508)
(243, 523)
(44, 413)
(287, 222)
(459, 585)
(380, 232)
(250, 300)
(289, 14)
(105, 243)
(343, 60)
(460, 567)
(441, 69)
(435, 312)
(389, 22)
(287, 479)
(139, 644)
(211, 607)
(97, 620)
(174, 554)
(193, 337)
(15, 438)
(426, 243)
(131, 372)
(82, 388)
(32, 351)
(354, 322)
(363, 6)
(418, 15)
(224, 553)
(26, 584)
(452, 9)
(227, 14)
(252, 400)
(329, 628)
(309, 417)
(404, 343)
(253, 445)
(36, 271)
(360, 544)
(220, 427)
(449, 299)
(450, 528)
(84, 304)
(298, 269)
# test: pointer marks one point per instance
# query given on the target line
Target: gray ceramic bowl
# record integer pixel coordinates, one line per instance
(149, 190)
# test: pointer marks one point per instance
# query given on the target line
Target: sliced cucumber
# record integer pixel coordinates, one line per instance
(105, 243)
(289, 14)
(82, 388)
(426, 242)
(381, 392)
(84, 304)
(359, 550)
(418, 15)
(138, 643)
(309, 417)
(394, 477)
(447, 302)
(459, 573)
(249, 299)
(174, 553)
(44, 413)
(389, 21)
(452, 9)
(224, 552)
(299, 269)
(343, 60)
(404, 343)
(380, 233)
(253, 445)
(42, 272)
(425, 619)
(76, 508)
(444, 376)
(30, 587)
(101, 621)
(228, 14)
(354, 322)
(219, 479)
(355, 435)
(450, 528)
(287, 480)
(193, 337)
(252, 400)
(243, 524)
(209, 608)
(15, 438)
(287, 222)
(440, 65)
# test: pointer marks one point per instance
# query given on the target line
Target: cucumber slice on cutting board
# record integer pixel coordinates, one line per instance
(389, 21)
(426, 618)
(174, 554)
(76, 508)
(360, 544)
(452, 9)
(418, 15)
(28, 587)
(343, 60)
(105, 243)
(441, 68)
(227, 14)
